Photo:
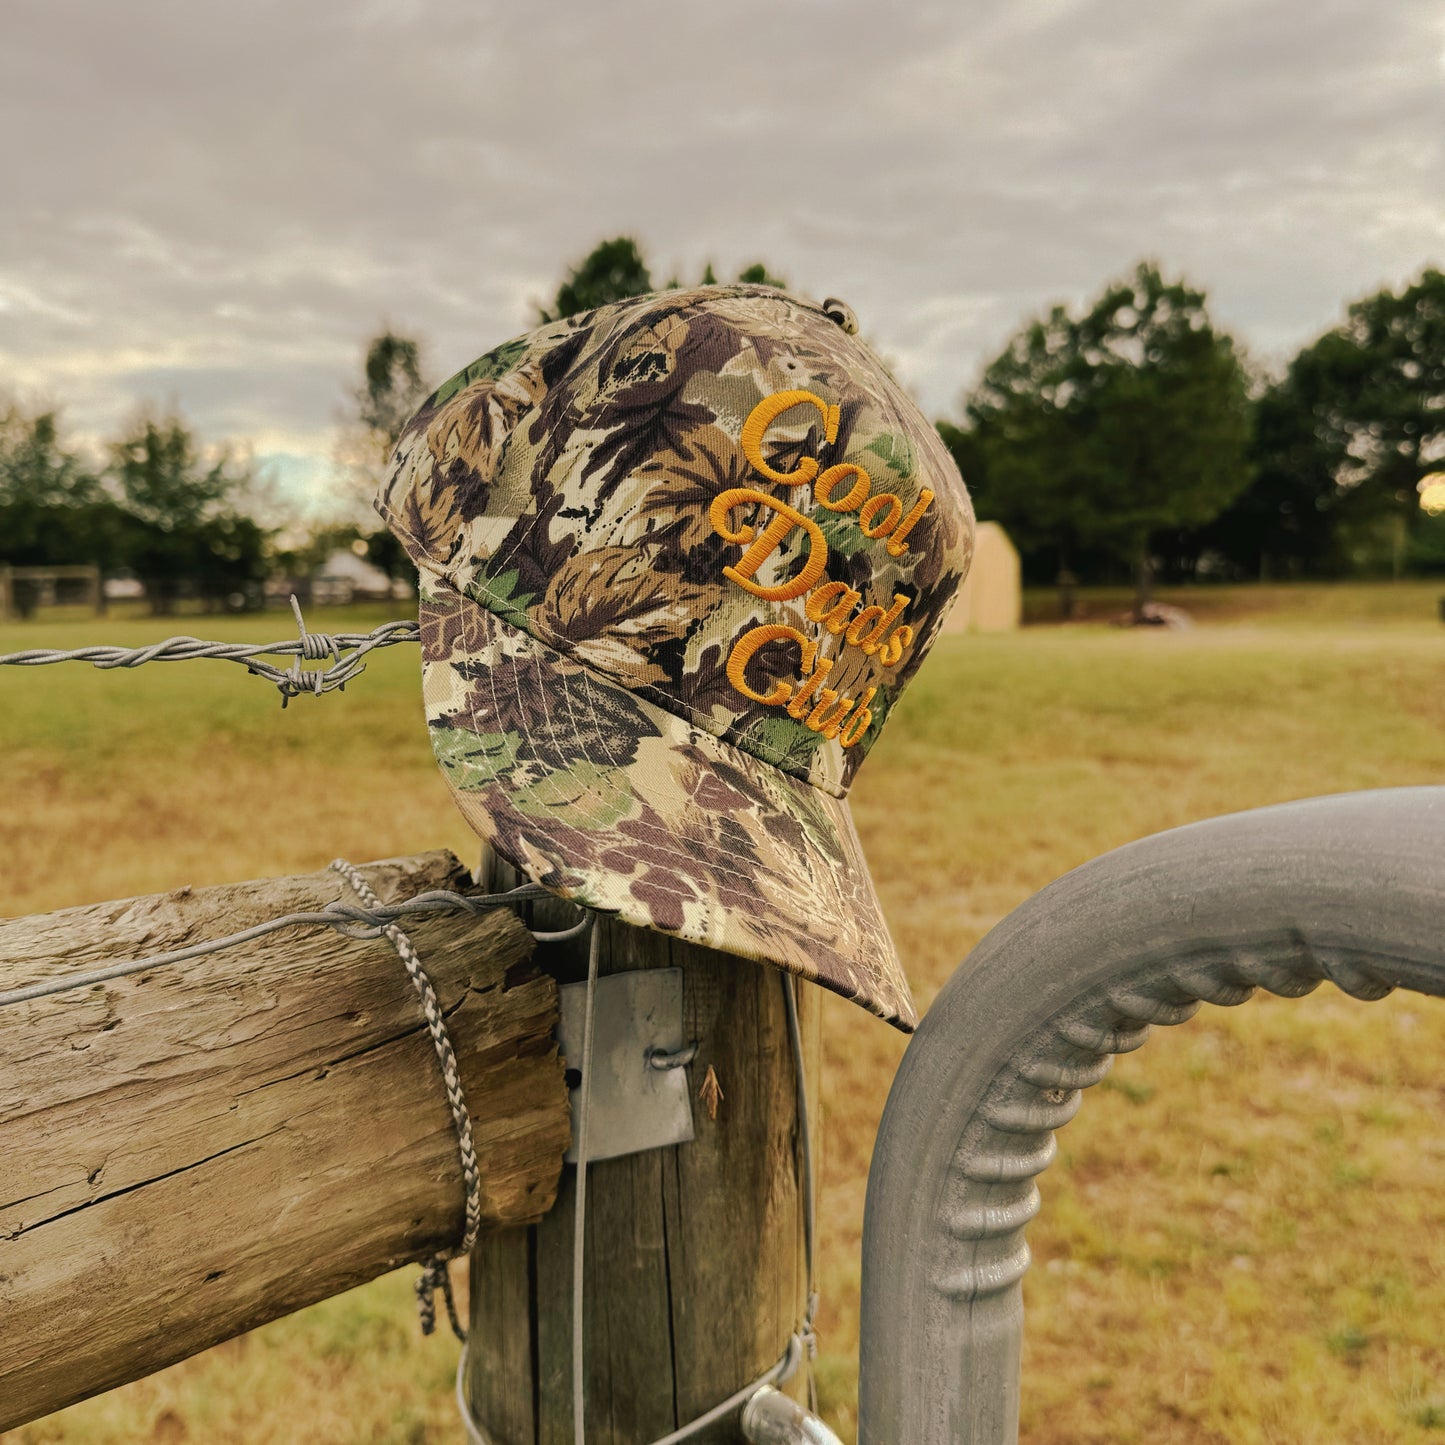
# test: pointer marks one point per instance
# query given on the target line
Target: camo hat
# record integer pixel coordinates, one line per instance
(679, 556)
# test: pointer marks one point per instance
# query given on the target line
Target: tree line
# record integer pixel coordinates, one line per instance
(1134, 434)
(1130, 436)
(154, 506)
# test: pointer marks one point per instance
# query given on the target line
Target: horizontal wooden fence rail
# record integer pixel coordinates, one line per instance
(188, 1152)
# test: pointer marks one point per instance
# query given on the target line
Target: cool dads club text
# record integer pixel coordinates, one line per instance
(845, 488)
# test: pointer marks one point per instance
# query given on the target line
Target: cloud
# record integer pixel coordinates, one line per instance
(216, 206)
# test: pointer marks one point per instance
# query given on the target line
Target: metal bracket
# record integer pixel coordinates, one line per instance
(634, 1104)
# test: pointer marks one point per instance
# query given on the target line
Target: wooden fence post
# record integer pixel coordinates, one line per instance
(189, 1151)
(695, 1274)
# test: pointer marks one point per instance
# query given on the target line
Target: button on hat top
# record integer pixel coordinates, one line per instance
(715, 514)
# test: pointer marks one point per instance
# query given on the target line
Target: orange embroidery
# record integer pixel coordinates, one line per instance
(831, 605)
(858, 724)
(803, 699)
(856, 494)
(872, 507)
(825, 722)
(763, 544)
(765, 413)
(893, 648)
(749, 643)
(876, 622)
(828, 714)
(898, 542)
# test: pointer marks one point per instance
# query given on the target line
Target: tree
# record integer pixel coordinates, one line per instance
(45, 492)
(1287, 520)
(182, 524)
(392, 390)
(1427, 548)
(1342, 442)
(616, 269)
(1023, 434)
(158, 508)
(758, 275)
(393, 386)
(1104, 429)
(1364, 416)
(612, 271)
(54, 511)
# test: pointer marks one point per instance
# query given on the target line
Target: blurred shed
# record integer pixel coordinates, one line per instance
(344, 578)
(991, 598)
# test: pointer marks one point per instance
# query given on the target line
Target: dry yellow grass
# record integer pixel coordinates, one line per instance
(1242, 1240)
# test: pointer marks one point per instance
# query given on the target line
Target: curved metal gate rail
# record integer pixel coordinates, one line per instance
(1348, 888)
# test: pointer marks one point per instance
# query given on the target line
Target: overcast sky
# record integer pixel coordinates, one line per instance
(216, 204)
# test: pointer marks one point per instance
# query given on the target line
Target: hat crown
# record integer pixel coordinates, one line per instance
(717, 498)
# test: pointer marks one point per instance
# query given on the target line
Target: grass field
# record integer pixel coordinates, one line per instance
(1244, 1237)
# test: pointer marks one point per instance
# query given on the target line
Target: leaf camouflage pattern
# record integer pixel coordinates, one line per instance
(679, 556)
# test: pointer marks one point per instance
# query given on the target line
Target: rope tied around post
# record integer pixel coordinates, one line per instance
(434, 1274)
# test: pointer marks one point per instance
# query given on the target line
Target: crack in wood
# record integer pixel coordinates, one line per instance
(154, 1179)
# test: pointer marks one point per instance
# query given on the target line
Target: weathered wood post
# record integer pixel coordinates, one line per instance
(695, 1274)
(189, 1151)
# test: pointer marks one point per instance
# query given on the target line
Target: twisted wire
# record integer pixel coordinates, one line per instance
(348, 919)
(347, 650)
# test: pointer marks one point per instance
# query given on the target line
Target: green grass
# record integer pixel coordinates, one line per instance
(1242, 1239)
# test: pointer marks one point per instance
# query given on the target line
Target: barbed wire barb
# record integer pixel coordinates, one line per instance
(347, 651)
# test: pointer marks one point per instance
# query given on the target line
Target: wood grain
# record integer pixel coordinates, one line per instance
(694, 1272)
(189, 1152)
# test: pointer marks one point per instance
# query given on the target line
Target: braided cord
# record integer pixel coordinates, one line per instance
(434, 1271)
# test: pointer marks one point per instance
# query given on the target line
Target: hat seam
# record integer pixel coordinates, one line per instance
(392, 518)
(665, 312)
(699, 719)
(640, 823)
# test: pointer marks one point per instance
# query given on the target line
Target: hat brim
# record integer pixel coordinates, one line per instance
(607, 799)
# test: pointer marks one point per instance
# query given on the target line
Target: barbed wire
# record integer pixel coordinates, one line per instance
(347, 649)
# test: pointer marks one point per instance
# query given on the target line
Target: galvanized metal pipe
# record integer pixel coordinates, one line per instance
(772, 1418)
(1348, 888)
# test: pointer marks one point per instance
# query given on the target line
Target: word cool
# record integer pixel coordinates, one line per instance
(874, 630)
